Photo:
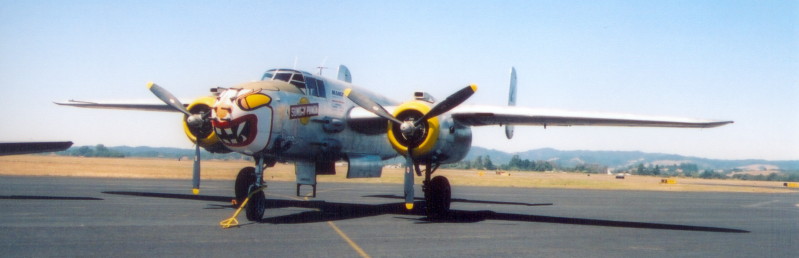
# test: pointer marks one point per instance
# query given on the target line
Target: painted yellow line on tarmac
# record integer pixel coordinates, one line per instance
(349, 241)
(333, 225)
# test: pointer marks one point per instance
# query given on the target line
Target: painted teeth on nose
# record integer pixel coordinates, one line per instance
(228, 131)
(241, 127)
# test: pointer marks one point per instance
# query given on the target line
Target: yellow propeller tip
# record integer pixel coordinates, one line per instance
(409, 206)
(347, 92)
(195, 191)
(150, 84)
(474, 87)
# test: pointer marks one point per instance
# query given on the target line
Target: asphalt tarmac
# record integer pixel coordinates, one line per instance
(69, 217)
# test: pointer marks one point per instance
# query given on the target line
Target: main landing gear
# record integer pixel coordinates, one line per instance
(249, 182)
(437, 192)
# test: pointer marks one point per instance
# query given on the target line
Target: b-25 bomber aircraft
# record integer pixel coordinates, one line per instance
(314, 121)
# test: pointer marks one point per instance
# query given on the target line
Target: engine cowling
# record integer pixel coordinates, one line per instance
(205, 133)
(442, 141)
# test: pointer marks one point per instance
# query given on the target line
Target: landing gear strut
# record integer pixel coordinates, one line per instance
(437, 192)
(249, 180)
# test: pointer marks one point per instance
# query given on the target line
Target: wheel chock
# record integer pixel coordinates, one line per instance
(232, 221)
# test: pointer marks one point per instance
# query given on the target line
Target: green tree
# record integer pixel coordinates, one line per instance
(488, 164)
(478, 163)
(689, 168)
(101, 151)
(773, 177)
(84, 151)
(515, 163)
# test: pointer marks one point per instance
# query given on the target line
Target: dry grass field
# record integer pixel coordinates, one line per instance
(36, 165)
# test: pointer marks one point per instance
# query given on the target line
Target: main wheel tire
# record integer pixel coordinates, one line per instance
(438, 197)
(244, 179)
(256, 205)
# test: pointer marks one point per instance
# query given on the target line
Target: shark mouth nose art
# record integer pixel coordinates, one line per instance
(237, 132)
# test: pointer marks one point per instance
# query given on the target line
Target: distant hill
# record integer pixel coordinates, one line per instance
(612, 159)
(619, 159)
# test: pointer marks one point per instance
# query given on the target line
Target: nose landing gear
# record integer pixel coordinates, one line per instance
(249, 183)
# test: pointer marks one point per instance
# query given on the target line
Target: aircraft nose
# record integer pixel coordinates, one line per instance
(222, 112)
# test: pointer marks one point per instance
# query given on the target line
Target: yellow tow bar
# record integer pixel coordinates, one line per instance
(232, 221)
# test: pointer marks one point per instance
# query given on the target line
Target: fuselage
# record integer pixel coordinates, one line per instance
(292, 115)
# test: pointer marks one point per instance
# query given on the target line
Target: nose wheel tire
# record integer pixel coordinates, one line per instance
(438, 196)
(244, 179)
(256, 205)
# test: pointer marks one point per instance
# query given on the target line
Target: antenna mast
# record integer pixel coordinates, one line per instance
(320, 69)
(322, 66)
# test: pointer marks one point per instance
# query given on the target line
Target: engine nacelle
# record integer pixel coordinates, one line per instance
(204, 134)
(443, 140)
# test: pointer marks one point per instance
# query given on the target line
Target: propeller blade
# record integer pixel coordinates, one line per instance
(449, 103)
(167, 97)
(196, 175)
(368, 104)
(409, 167)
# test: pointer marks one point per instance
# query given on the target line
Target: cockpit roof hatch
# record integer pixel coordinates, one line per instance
(295, 77)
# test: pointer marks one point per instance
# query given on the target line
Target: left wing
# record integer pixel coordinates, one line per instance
(12, 148)
(129, 105)
(504, 115)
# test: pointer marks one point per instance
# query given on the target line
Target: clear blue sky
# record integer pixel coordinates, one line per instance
(736, 60)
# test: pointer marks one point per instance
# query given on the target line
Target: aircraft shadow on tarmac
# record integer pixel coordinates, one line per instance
(464, 200)
(39, 197)
(322, 211)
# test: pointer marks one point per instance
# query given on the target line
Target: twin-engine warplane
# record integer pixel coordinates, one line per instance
(313, 121)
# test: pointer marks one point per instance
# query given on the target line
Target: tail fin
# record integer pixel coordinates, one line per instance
(511, 100)
(344, 74)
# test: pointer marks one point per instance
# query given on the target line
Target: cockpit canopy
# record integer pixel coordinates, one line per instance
(302, 80)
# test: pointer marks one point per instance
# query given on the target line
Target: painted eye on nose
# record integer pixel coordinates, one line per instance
(253, 101)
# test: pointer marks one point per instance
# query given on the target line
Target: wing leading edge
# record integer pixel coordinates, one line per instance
(143, 106)
(496, 115)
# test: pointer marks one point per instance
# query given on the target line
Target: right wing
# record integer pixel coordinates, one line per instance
(128, 105)
(504, 115)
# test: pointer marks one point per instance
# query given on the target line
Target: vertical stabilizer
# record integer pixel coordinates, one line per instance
(511, 100)
(344, 74)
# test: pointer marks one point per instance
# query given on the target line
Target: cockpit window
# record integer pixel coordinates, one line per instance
(297, 80)
(294, 77)
(304, 81)
(310, 83)
(282, 77)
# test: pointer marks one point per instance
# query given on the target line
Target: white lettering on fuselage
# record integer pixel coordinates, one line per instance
(304, 110)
